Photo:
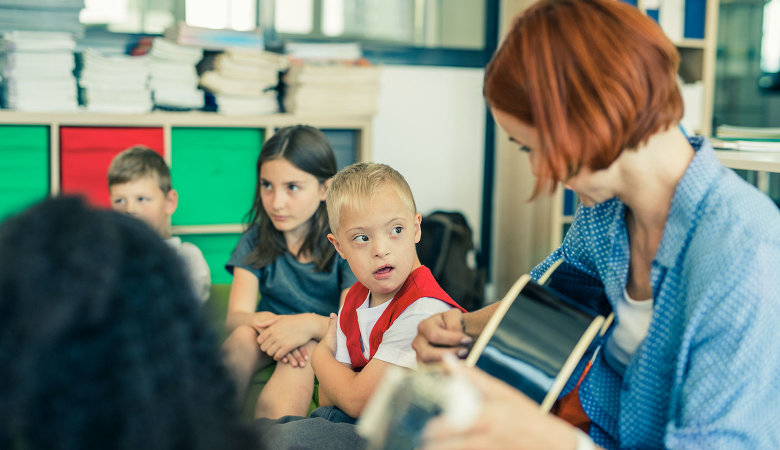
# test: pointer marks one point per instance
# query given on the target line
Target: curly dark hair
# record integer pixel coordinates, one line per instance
(102, 342)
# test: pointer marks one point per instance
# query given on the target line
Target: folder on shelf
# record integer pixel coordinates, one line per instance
(747, 133)
(746, 145)
(754, 139)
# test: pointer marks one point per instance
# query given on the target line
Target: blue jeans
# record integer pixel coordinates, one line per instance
(326, 428)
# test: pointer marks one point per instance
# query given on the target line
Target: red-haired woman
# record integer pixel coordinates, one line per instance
(687, 252)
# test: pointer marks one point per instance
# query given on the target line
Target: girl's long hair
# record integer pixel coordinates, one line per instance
(308, 149)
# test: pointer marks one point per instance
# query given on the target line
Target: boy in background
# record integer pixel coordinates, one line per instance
(139, 184)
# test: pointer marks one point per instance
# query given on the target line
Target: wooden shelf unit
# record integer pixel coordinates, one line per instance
(195, 145)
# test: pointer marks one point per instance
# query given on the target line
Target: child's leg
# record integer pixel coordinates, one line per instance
(288, 392)
(243, 358)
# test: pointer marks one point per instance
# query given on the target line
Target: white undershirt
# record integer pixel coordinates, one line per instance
(633, 321)
(396, 346)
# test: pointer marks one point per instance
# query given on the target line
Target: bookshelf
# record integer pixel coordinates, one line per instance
(698, 48)
(212, 159)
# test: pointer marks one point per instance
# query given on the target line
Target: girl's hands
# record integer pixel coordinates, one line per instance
(282, 336)
(261, 320)
(297, 357)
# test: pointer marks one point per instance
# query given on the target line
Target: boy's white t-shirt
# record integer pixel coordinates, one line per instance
(396, 347)
(196, 266)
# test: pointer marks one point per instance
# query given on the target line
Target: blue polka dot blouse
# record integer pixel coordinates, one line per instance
(707, 375)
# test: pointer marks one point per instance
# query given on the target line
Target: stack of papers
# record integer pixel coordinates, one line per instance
(41, 15)
(37, 71)
(174, 78)
(115, 83)
(739, 132)
(334, 88)
(244, 81)
(322, 52)
(751, 139)
(748, 146)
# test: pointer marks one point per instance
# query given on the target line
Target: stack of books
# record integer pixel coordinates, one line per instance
(114, 83)
(37, 71)
(41, 15)
(174, 78)
(752, 139)
(335, 88)
(244, 81)
(211, 39)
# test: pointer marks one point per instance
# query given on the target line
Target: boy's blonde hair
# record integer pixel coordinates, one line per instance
(138, 162)
(357, 185)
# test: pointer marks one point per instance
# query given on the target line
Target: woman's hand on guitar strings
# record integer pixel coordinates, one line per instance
(440, 334)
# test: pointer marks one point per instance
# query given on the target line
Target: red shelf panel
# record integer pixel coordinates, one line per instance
(86, 152)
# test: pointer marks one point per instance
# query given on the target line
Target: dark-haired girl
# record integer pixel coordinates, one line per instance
(285, 256)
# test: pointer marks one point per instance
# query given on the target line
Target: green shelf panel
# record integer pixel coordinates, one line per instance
(216, 248)
(213, 169)
(24, 167)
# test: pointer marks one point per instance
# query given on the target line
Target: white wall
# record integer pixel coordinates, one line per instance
(431, 128)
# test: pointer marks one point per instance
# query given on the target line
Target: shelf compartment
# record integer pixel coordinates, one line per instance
(213, 169)
(86, 153)
(24, 167)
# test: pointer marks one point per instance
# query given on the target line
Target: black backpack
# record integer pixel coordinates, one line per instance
(446, 247)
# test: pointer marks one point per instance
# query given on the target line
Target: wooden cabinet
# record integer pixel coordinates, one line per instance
(212, 159)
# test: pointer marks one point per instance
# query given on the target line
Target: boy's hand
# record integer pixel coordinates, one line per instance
(329, 340)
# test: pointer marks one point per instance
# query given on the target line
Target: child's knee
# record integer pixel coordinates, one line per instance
(243, 334)
(294, 375)
(242, 341)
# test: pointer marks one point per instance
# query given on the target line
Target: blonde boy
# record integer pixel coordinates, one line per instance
(139, 184)
(375, 226)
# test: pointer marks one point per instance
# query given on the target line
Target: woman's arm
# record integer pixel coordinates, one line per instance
(449, 332)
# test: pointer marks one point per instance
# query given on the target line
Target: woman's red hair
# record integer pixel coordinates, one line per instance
(594, 77)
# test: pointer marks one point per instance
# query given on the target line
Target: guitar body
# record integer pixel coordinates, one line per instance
(536, 338)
